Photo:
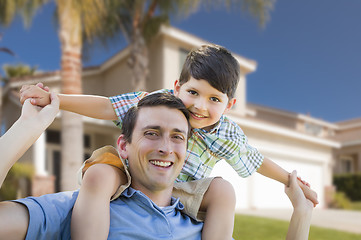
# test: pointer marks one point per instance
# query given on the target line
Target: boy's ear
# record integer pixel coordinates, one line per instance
(122, 147)
(176, 87)
(230, 104)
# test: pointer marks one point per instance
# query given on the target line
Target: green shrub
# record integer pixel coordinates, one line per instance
(341, 201)
(11, 186)
(350, 184)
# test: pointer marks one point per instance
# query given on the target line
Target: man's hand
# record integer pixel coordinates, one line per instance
(295, 194)
(43, 115)
(39, 94)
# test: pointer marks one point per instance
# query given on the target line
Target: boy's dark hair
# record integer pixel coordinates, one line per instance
(216, 65)
(152, 100)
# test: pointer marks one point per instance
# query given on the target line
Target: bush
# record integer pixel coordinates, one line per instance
(341, 201)
(12, 186)
(350, 184)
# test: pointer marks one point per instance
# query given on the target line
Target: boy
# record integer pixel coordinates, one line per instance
(206, 86)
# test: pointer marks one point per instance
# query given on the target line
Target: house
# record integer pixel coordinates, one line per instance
(294, 141)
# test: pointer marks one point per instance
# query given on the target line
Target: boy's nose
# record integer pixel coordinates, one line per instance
(200, 104)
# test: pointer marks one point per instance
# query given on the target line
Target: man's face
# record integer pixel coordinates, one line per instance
(205, 103)
(157, 151)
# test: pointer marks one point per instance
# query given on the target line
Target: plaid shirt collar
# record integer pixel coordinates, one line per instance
(214, 130)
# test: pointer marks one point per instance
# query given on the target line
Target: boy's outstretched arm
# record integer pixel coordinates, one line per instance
(88, 105)
(274, 171)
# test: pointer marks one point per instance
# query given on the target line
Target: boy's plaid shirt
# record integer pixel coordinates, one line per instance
(225, 141)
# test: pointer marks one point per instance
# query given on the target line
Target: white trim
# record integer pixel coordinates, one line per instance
(294, 115)
(190, 39)
(349, 125)
(284, 132)
(56, 77)
(98, 121)
(351, 143)
(317, 121)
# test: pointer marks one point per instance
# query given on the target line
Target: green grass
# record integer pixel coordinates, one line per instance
(356, 206)
(256, 228)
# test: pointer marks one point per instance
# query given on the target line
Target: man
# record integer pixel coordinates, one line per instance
(154, 145)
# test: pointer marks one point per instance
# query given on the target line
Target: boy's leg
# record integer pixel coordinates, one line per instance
(90, 217)
(218, 203)
(211, 200)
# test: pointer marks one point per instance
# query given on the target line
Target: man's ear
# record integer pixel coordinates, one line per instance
(176, 87)
(122, 147)
(230, 104)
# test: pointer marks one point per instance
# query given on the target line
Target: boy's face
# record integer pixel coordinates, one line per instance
(205, 103)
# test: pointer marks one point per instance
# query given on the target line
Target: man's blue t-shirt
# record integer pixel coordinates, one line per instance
(132, 216)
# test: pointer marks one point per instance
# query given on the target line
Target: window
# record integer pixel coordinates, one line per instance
(313, 129)
(346, 164)
(53, 136)
(87, 142)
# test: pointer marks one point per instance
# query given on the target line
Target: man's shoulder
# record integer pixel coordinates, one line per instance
(50, 201)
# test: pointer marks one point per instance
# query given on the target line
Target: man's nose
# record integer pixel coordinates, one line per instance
(165, 146)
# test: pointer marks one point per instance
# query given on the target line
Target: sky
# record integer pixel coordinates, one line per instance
(308, 55)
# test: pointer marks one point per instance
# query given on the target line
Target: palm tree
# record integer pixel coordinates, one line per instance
(140, 20)
(18, 70)
(76, 18)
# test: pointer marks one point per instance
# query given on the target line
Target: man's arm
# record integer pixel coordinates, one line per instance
(14, 217)
(25, 131)
(302, 211)
(88, 105)
(271, 170)
(14, 220)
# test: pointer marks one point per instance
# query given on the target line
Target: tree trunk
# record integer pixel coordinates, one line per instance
(72, 152)
(138, 61)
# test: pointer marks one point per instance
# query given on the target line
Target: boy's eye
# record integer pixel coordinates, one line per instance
(192, 92)
(214, 99)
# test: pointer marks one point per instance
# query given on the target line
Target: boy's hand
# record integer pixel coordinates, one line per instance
(308, 192)
(39, 94)
(295, 194)
(43, 115)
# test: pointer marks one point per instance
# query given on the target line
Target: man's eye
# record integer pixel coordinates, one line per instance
(179, 137)
(214, 99)
(192, 92)
(150, 134)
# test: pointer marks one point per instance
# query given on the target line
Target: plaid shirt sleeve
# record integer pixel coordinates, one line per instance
(123, 102)
(232, 145)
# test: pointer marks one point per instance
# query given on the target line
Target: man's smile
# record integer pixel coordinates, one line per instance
(161, 163)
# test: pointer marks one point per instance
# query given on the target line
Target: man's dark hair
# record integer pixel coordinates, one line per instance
(216, 65)
(152, 100)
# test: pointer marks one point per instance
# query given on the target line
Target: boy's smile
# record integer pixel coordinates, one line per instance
(205, 103)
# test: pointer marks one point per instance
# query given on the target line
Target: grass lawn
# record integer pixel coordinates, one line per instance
(255, 228)
(356, 206)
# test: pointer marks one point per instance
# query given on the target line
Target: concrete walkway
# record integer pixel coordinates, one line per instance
(342, 220)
